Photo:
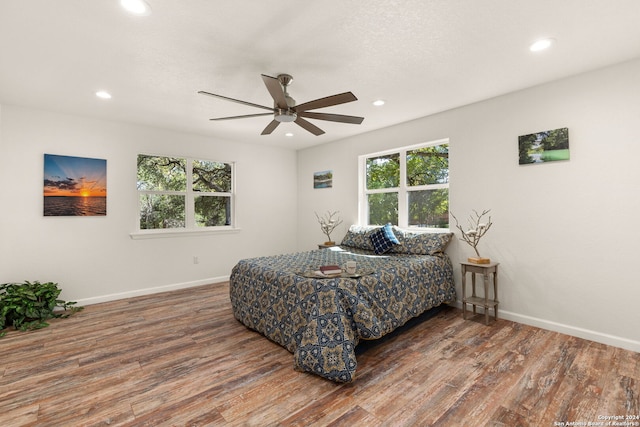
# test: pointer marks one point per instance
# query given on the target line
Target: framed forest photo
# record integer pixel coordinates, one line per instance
(74, 186)
(543, 147)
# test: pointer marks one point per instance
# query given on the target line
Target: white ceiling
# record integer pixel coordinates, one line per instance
(421, 56)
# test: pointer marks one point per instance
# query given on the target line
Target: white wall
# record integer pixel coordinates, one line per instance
(93, 258)
(566, 233)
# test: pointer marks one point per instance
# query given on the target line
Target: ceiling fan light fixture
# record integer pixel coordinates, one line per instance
(285, 116)
(378, 102)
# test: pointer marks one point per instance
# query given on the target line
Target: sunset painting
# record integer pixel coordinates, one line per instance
(74, 186)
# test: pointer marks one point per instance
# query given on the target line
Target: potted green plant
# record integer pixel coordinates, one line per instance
(29, 305)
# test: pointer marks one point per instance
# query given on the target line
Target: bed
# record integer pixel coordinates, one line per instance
(322, 320)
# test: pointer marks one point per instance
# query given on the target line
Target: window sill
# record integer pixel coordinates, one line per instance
(427, 229)
(164, 233)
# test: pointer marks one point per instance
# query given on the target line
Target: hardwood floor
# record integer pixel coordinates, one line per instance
(180, 358)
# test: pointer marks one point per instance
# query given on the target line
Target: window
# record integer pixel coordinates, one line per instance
(408, 187)
(183, 193)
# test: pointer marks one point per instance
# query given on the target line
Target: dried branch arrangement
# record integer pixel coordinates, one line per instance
(328, 223)
(476, 230)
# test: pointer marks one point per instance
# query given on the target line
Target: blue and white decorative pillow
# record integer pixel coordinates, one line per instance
(383, 239)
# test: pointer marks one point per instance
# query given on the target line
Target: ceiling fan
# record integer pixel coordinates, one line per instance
(285, 110)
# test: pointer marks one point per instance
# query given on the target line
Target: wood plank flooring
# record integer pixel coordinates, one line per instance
(181, 359)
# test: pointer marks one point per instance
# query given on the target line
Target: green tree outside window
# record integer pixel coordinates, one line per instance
(183, 193)
(409, 187)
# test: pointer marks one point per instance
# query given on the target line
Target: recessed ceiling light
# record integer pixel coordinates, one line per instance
(103, 94)
(541, 45)
(378, 102)
(137, 7)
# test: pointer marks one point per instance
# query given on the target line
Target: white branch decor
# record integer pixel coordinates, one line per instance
(328, 223)
(477, 229)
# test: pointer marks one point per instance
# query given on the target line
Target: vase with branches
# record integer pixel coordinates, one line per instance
(477, 227)
(328, 223)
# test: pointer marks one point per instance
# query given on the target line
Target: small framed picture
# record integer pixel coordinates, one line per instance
(544, 147)
(74, 186)
(323, 179)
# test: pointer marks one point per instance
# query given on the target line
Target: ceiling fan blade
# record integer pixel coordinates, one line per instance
(270, 127)
(328, 101)
(226, 98)
(275, 90)
(308, 126)
(242, 117)
(332, 117)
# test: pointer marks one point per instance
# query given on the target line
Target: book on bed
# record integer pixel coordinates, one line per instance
(330, 270)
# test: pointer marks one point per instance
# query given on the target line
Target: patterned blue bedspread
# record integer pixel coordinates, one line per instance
(321, 321)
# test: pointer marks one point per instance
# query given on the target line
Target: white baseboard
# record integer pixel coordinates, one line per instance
(148, 291)
(575, 331)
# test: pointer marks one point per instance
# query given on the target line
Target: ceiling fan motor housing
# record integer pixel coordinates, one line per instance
(285, 115)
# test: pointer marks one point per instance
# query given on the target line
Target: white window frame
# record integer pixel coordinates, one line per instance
(190, 227)
(403, 189)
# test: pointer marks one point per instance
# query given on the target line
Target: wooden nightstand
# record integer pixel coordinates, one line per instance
(487, 303)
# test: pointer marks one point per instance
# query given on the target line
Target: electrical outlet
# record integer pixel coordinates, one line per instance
(196, 260)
